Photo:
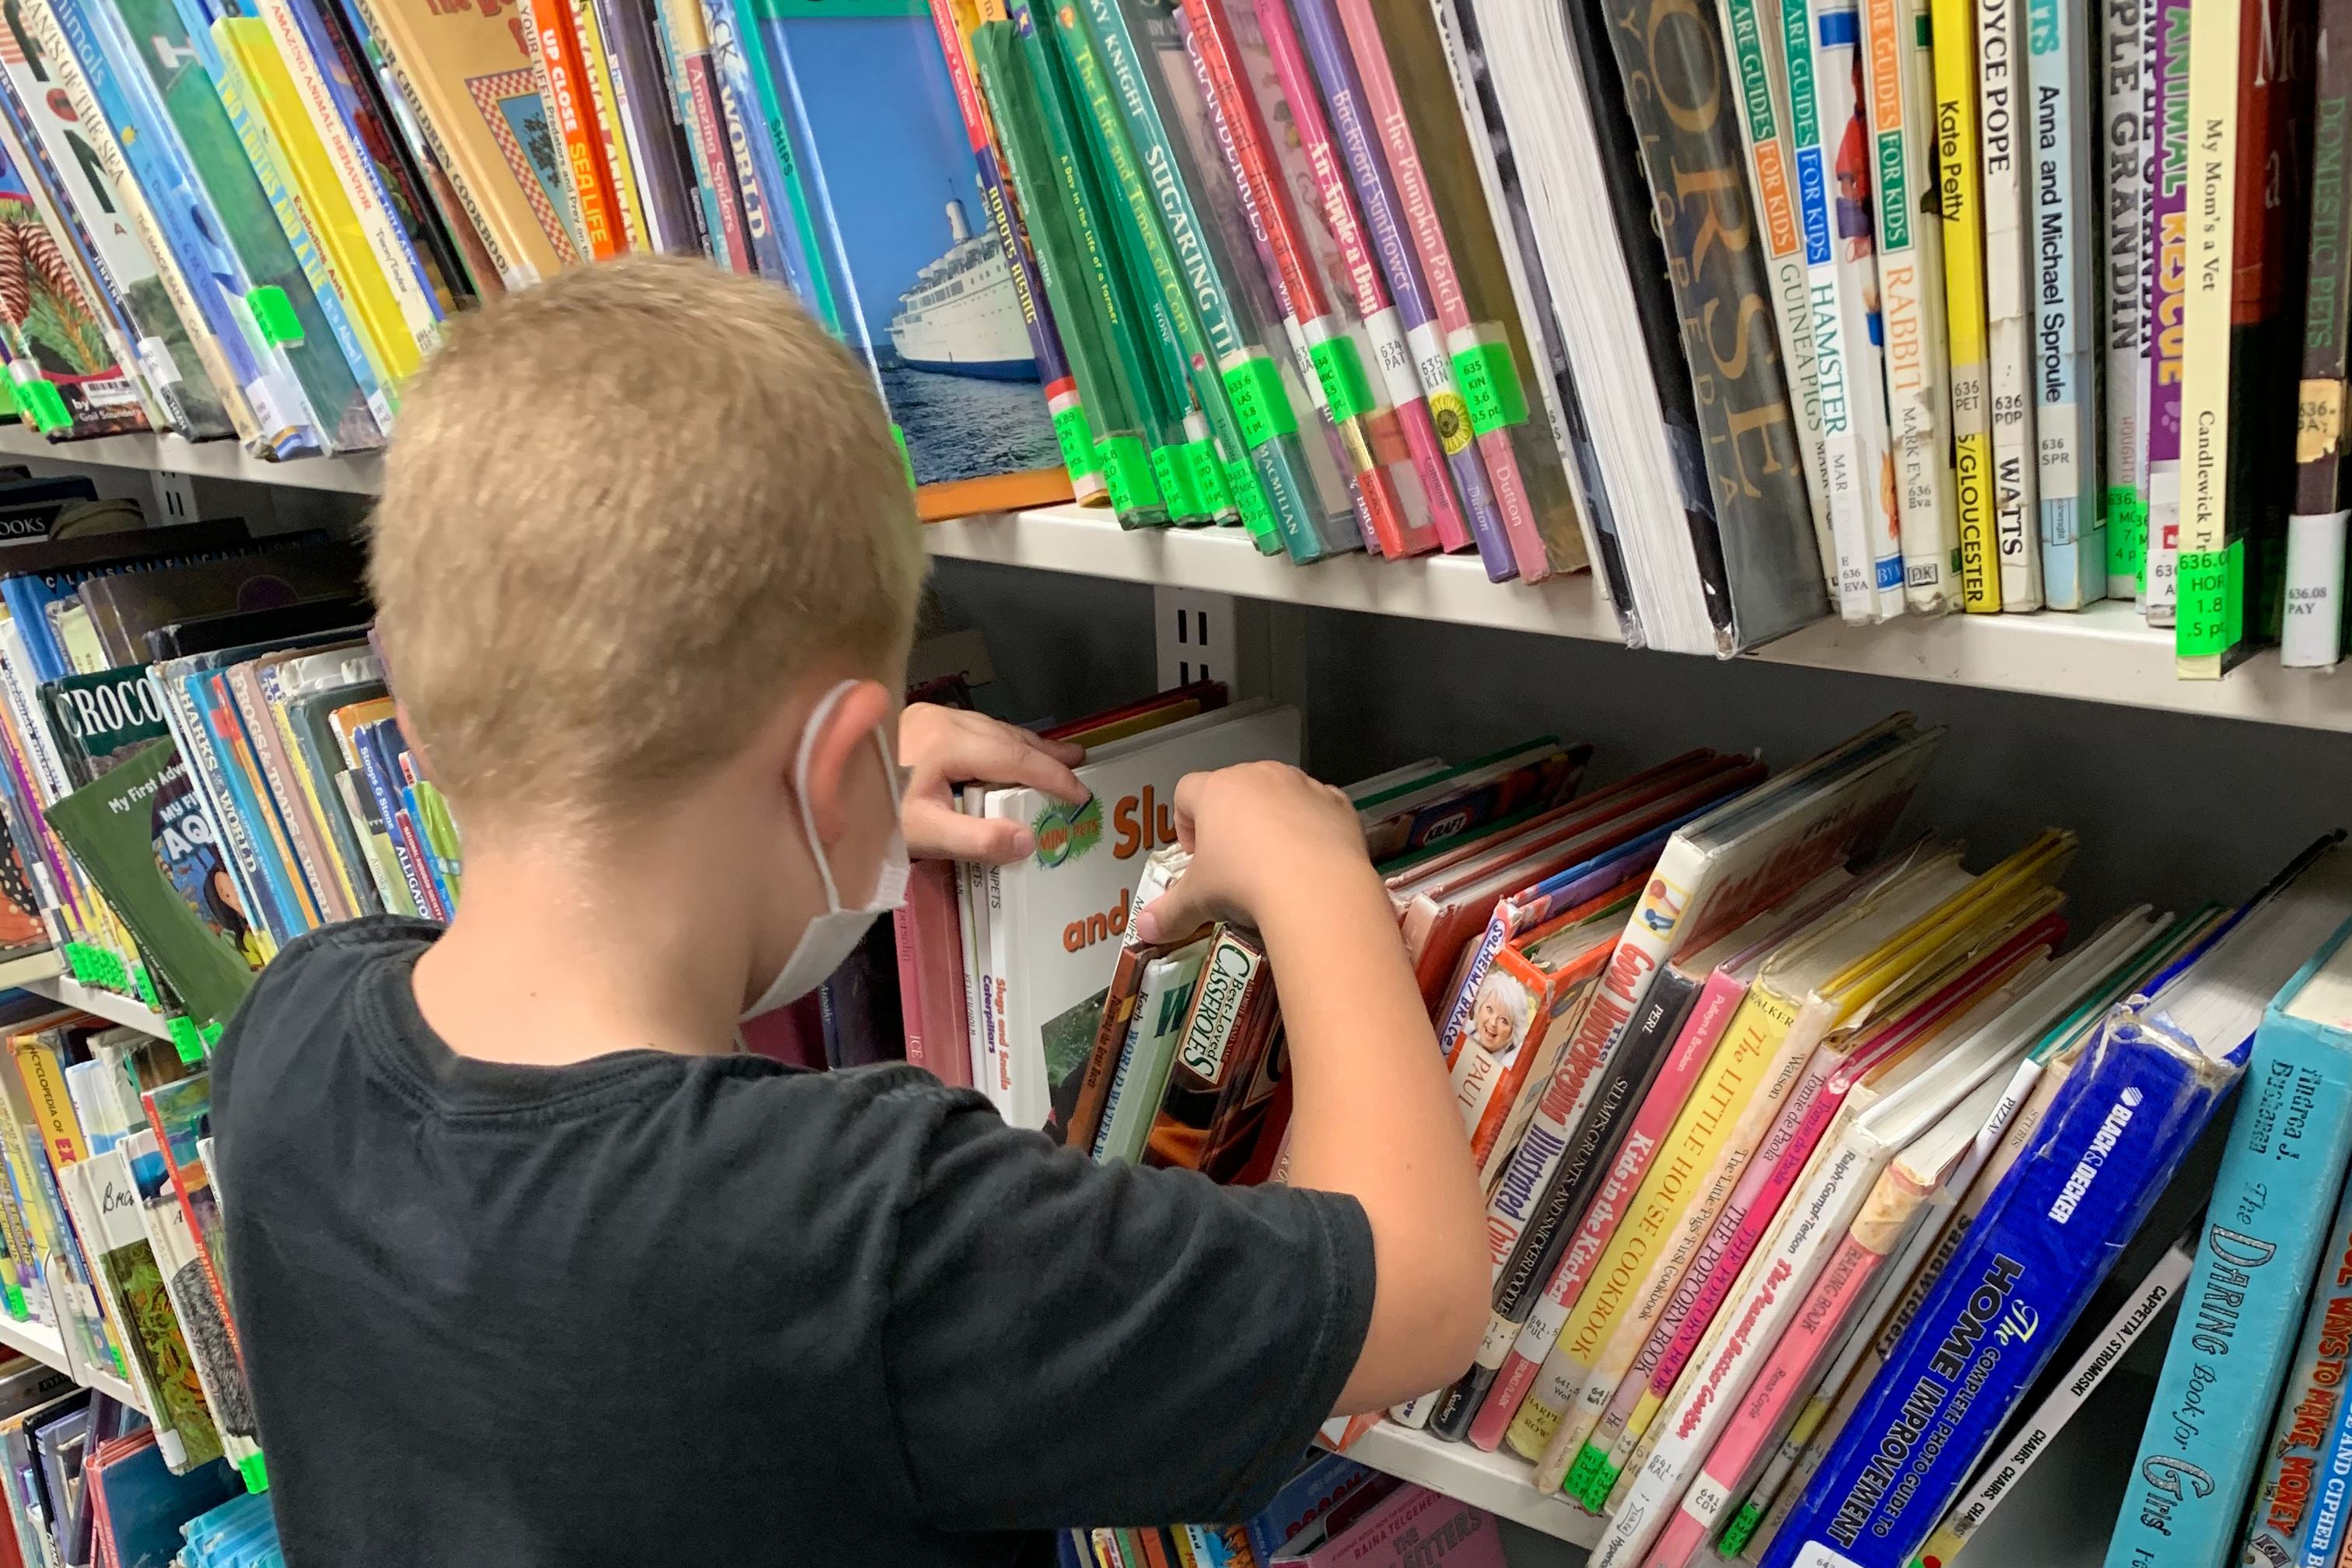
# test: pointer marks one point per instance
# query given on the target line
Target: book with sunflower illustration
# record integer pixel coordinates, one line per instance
(53, 334)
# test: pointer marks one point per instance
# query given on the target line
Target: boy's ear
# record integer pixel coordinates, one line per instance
(847, 737)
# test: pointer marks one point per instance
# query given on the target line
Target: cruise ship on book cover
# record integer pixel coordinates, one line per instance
(962, 316)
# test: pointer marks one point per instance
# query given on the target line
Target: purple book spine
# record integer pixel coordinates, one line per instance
(1343, 92)
(2169, 233)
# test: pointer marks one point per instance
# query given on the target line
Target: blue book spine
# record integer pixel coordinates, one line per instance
(157, 159)
(377, 773)
(758, 174)
(219, 715)
(27, 597)
(261, 152)
(2245, 1299)
(2130, 1110)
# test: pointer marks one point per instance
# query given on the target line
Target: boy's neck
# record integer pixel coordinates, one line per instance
(558, 954)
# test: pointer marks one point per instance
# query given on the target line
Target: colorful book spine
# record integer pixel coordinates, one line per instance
(1898, 73)
(693, 90)
(1061, 388)
(2126, 89)
(1346, 378)
(259, 73)
(2210, 564)
(1427, 381)
(1148, 423)
(607, 104)
(2311, 629)
(2008, 312)
(151, 159)
(563, 83)
(1752, 30)
(261, 153)
(1961, 187)
(2072, 531)
(1258, 458)
(2246, 1297)
(2167, 303)
(1718, 1000)
(1476, 364)
(2296, 1495)
(2139, 1101)
(758, 178)
(1320, 337)
(1079, 310)
(1866, 531)
(330, 110)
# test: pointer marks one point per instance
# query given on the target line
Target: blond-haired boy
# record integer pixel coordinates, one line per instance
(529, 1270)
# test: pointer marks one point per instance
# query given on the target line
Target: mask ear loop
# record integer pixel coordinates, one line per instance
(825, 705)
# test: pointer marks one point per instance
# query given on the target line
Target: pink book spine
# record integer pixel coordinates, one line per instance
(1717, 1002)
(1787, 1376)
(930, 973)
(1437, 269)
(1371, 296)
(1754, 1206)
(1410, 1528)
(910, 984)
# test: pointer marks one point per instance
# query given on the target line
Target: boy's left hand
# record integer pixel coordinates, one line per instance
(944, 747)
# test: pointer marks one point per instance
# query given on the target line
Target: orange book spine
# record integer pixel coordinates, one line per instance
(567, 93)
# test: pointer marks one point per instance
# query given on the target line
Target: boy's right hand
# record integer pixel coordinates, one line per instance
(1264, 837)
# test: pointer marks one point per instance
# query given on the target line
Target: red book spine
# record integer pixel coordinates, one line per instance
(1224, 76)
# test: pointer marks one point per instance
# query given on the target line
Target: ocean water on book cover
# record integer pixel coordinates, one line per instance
(920, 282)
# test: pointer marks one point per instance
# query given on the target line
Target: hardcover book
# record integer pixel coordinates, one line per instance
(922, 293)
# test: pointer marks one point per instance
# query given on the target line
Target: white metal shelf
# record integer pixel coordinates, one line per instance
(1495, 1482)
(46, 1345)
(361, 474)
(108, 1004)
(2103, 653)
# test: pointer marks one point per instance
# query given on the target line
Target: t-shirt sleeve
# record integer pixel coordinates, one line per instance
(1073, 1344)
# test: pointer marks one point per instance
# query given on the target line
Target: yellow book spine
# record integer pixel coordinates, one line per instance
(1953, 25)
(604, 98)
(325, 205)
(2209, 571)
(1689, 1148)
(355, 173)
(45, 1085)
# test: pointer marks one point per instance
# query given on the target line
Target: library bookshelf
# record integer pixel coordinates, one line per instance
(2105, 658)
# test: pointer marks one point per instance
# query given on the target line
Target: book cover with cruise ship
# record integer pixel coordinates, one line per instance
(890, 197)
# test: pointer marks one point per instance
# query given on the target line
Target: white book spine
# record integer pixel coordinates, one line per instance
(1843, 275)
(2015, 493)
(2090, 1369)
(2311, 635)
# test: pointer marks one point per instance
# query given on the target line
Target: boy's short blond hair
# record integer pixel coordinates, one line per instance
(624, 509)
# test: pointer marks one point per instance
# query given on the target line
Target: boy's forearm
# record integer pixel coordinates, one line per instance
(1372, 1115)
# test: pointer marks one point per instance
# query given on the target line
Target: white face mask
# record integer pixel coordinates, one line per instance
(834, 935)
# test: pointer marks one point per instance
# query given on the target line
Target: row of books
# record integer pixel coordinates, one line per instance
(1800, 1139)
(84, 1485)
(201, 762)
(1331, 1513)
(111, 1233)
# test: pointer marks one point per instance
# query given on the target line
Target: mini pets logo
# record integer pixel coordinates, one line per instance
(1065, 832)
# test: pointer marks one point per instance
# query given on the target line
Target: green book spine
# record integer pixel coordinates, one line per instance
(1274, 500)
(1169, 388)
(749, 14)
(1129, 469)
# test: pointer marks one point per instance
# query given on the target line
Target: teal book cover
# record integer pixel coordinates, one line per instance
(920, 285)
(2246, 1298)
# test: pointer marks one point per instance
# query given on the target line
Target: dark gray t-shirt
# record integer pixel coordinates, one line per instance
(654, 1310)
